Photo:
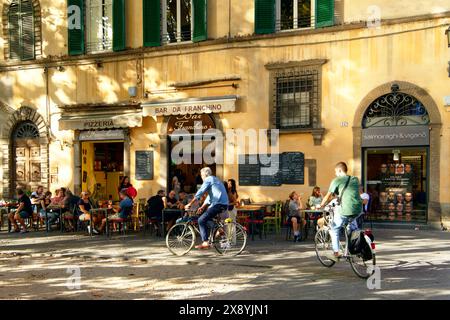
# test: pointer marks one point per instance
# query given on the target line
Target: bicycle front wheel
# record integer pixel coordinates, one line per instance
(324, 247)
(230, 239)
(180, 239)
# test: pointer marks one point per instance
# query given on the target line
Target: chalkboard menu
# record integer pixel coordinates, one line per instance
(286, 168)
(293, 168)
(249, 170)
(144, 165)
(270, 173)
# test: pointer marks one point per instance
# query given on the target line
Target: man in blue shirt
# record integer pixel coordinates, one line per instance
(217, 200)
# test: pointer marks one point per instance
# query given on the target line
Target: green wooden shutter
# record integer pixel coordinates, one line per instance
(14, 31)
(119, 33)
(324, 13)
(200, 20)
(152, 22)
(264, 16)
(27, 24)
(75, 34)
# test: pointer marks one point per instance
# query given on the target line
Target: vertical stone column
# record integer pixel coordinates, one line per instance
(164, 159)
(127, 153)
(5, 163)
(77, 162)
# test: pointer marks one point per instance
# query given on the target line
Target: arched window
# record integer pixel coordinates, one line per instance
(395, 109)
(26, 130)
(22, 29)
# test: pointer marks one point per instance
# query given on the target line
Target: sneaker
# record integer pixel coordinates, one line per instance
(332, 257)
(94, 231)
(24, 231)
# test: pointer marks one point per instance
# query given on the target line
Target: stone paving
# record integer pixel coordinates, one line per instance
(415, 264)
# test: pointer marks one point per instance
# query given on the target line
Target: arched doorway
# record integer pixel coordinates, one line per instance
(26, 155)
(24, 145)
(396, 137)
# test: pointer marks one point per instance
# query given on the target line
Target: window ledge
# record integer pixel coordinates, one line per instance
(317, 133)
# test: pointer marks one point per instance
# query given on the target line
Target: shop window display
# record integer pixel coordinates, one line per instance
(397, 182)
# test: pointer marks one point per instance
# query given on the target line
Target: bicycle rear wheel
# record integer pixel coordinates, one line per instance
(229, 239)
(363, 268)
(323, 247)
(180, 239)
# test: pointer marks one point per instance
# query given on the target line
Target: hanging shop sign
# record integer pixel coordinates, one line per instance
(190, 122)
(93, 122)
(396, 136)
(101, 135)
(191, 106)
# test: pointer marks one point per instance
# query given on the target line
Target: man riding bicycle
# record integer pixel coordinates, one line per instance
(217, 200)
(347, 189)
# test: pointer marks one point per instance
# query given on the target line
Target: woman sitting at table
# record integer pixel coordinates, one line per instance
(295, 205)
(44, 204)
(315, 199)
(56, 206)
(84, 206)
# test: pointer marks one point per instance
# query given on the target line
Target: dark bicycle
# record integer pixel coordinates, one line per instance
(361, 265)
(228, 237)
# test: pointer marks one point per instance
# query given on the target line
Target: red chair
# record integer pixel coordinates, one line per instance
(256, 218)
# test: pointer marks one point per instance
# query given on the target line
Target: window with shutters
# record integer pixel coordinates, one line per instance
(294, 14)
(99, 22)
(176, 21)
(22, 30)
(295, 90)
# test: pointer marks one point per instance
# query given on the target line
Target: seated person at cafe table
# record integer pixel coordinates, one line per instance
(155, 206)
(57, 205)
(45, 202)
(24, 211)
(295, 205)
(315, 199)
(123, 211)
(217, 200)
(174, 212)
(84, 207)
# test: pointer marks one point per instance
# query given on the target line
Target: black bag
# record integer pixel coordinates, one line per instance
(359, 245)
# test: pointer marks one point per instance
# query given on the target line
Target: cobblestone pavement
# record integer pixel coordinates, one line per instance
(414, 265)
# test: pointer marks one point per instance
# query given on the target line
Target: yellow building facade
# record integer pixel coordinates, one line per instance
(85, 120)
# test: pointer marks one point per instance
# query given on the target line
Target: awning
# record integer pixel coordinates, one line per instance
(190, 106)
(100, 117)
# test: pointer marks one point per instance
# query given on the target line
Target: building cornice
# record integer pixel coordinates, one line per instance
(140, 53)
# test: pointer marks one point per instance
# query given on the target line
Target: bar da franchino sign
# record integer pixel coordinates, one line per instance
(396, 136)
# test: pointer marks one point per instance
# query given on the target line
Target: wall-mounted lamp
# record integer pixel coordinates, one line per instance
(99, 64)
(64, 144)
(61, 69)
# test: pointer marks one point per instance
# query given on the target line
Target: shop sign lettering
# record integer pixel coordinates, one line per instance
(98, 124)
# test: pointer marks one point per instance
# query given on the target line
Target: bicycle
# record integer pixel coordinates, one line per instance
(228, 237)
(361, 267)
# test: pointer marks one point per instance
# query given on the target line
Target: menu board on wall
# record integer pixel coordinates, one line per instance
(270, 173)
(144, 165)
(293, 168)
(285, 168)
(249, 170)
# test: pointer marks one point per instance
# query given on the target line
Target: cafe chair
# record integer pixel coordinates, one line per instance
(274, 219)
(256, 221)
(123, 224)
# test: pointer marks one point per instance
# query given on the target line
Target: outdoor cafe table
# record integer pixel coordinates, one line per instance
(172, 212)
(251, 211)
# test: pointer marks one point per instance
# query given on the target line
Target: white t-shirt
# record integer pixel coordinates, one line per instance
(365, 196)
